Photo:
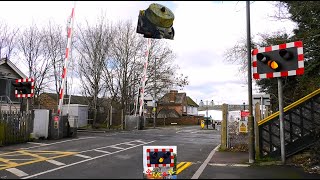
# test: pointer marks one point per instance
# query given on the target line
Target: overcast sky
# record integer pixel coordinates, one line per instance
(203, 32)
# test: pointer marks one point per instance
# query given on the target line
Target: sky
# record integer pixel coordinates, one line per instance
(204, 30)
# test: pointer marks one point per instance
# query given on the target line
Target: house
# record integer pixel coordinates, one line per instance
(8, 74)
(174, 104)
(178, 107)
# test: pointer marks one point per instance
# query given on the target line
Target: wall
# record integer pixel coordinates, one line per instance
(184, 120)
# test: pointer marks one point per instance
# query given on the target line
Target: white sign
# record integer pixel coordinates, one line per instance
(159, 162)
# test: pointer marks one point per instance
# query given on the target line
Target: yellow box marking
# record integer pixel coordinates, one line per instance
(37, 158)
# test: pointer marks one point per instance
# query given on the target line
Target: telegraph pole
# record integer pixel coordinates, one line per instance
(250, 118)
(154, 98)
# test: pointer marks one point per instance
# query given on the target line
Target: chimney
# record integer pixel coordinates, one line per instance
(172, 96)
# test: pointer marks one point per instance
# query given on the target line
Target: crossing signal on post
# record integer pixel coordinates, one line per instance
(278, 61)
(156, 22)
(160, 158)
(24, 87)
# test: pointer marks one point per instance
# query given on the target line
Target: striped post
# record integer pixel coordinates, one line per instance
(144, 77)
(64, 71)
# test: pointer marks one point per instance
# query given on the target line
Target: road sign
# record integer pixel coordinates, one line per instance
(159, 162)
(243, 123)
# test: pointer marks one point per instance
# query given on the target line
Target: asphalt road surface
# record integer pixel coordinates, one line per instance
(106, 155)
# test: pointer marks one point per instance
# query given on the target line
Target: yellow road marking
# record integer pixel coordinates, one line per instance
(22, 159)
(37, 158)
(7, 153)
(180, 164)
(33, 155)
(7, 161)
(185, 166)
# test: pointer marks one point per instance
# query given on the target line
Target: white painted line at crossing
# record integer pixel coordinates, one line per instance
(55, 162)
(201, 168)
(134, 141)
(59, 142)
(140, 141)
(83, 156)
(107, 152)
(129, 144)
(17, 172)
(116, 147)
(62, 167)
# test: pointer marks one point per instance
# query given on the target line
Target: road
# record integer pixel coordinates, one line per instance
(106, 155)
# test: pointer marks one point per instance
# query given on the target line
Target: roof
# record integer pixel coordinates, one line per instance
(178, 98)
(191, 102)
(168, 113)
(12, 66)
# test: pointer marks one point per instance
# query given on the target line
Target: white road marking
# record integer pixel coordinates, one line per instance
(102, 151)
(130, 144)
(58, 142)
(116, 147)
(17, 172)
(201, 168)
(83, 156)
(111, 145)
(41, 144)
(139, 141)
(55, 162)
(234, 165)
(61, 167)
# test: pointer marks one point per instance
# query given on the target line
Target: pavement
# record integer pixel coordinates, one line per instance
(235, 165)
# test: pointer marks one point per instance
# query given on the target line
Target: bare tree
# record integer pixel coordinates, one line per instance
(30, 44)
(93, 43)
(126, 53)
(54, 48)
(162, 70)
(7, 40)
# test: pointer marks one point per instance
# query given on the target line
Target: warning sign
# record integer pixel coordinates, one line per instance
(243, 127)
(243, 123)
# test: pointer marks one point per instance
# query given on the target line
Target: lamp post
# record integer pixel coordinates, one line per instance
(250, 118)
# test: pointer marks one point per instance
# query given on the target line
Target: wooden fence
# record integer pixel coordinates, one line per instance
(15, 127)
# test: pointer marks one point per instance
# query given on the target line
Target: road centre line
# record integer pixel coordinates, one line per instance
(201, 168)
(59, 142)
(61, 167)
